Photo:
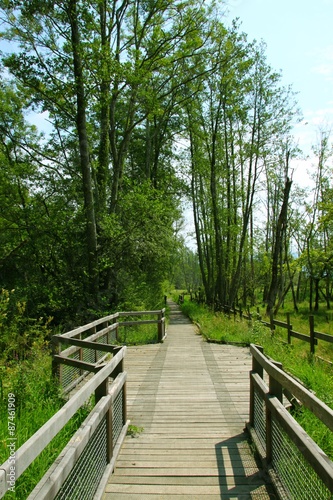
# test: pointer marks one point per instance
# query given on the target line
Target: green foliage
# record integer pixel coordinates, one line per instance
(20, 336)
(26, 426)
(134, 431)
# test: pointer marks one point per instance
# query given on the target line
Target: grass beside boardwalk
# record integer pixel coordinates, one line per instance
(296, 359)
(141, 334)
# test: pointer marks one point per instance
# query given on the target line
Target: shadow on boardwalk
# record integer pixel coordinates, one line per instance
(191, 400)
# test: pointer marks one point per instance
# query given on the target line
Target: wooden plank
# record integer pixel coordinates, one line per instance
(300, 336)
(281, 324)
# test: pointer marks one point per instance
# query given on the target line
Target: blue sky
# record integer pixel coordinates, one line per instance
(299, 38)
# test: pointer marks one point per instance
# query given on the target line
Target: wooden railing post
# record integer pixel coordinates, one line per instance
(256, 368)
(124, 403)
(312, 334)
(163, 322)
(115, 320)
(101, 391)
(56, 367)
(289, 328)
(160, 325)
(275, 389)
(80, 353)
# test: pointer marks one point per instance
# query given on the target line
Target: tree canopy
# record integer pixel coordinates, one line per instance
(148, 103)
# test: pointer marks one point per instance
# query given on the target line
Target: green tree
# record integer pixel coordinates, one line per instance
(232, 128)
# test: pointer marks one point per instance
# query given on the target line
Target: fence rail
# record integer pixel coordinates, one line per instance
(297, 466)
(312, 338)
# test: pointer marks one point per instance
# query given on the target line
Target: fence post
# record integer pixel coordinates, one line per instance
(115, 320)
(80, 354)
(312, 335)
(163, 322)
(56, 367)
(124, 403)
(160, 325)
(289, 328)
(101, 391)
(271, 320)
(107, 332)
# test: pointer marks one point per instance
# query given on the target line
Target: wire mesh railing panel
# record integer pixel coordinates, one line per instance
(259, 420)
(112, 337)
(297, 476)
(88, 355)
(101, 340)
(70, 373)
(117, 416)
(84, 479)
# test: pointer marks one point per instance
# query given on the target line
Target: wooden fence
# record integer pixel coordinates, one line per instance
(297, 466)
(312, 338)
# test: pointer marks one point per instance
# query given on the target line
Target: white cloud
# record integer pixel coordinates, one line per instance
(324, 66)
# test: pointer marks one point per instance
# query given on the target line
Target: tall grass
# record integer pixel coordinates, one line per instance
(137, 334)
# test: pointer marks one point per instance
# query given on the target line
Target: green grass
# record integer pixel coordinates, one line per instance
(34, 473)
(137, 335)
(140, 334)
(296, 359)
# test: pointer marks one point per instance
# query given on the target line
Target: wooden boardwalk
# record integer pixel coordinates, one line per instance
(192, 400)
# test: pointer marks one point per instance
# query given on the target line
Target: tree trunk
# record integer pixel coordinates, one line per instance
(278, 245)
(91, 234)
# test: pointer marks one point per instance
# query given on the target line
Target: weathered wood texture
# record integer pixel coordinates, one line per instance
(192, 400)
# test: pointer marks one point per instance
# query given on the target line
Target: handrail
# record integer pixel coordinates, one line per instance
(32, 448)
(90, 347)
(278, 436)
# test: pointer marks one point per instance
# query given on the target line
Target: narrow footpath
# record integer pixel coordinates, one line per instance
(188, 402)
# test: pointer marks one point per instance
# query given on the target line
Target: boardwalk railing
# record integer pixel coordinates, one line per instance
(91, 344)
(85, 463)
(297, 466)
